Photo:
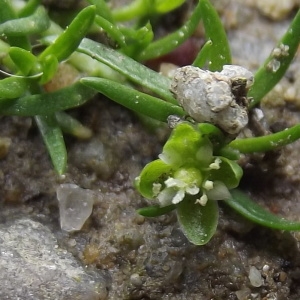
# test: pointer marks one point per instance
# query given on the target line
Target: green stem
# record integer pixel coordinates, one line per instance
(268, 142)
(241, 203)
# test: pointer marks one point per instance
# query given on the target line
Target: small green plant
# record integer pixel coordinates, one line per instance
(198, 164)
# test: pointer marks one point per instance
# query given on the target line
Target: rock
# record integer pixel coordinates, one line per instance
(32, 266)
(75, 206)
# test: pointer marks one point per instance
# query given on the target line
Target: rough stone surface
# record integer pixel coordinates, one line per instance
(136, 258)
(32, 266)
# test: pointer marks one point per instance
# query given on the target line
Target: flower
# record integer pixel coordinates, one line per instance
(184, 181)
(187, 166)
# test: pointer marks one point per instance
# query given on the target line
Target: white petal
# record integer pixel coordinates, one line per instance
(208, 185)
(192, 190)
(178, 197)
(171, 182)
(165, 196)
(203, 200)
(219, 192)
(216, 164)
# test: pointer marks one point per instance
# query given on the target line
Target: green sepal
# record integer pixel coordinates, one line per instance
(182, 148)
(230, 173)
(154, 172)
(214, 134)
(199, 223)
(155, 210)
(242, 204)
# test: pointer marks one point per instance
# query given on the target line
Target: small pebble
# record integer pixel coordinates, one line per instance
(255, 277)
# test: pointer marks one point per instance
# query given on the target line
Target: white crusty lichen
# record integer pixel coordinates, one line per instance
(219, 98)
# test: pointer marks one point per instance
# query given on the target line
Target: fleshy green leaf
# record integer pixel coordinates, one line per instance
(199, 223)
(35, 23)
(173, 40)
(129, 68)
(72, 126)
(23, 59)
(49, 66)
(6, 14)
(230, 173)
(53, 138)
(203, 55)
(66, 43)
(102, 9)
(139, 102)
(153, 172)
(155, 211)
(241, 203)
(277, 63)
(13, 87)
(48, 103)
(164, 6)
(214, 31)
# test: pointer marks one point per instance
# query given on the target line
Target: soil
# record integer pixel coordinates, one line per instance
(140, 258)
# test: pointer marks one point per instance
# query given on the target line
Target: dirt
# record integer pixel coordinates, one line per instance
(151, 258)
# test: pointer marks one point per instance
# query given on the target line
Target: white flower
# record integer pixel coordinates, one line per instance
(185, 181)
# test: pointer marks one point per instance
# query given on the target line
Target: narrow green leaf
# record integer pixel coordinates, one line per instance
(155, 211)
(48, 103)
(35, 23)
(6, 14)
(128, 67)
(214, 31)
(29, 8)
(137, 39)
(204, 55)
(70, 125)
(135, 9)
(13, 87)
(66, 43)
(267, 142)
(199, 223)
(164, 6)
(53, 138)
(241, 203)
(173, 40)
(277, 63)
(102, 9)
(139, 102)
(112, 30)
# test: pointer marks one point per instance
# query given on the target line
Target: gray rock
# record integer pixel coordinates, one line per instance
(32, 266)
